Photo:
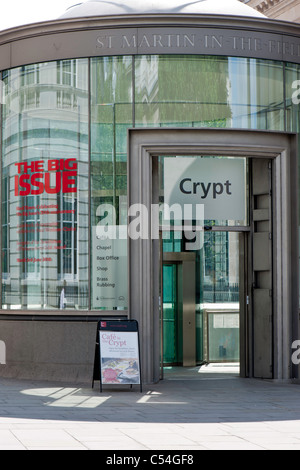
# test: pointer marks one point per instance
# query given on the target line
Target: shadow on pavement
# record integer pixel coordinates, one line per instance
(184, 396)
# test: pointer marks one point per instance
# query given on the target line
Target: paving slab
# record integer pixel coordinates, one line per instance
(186, 411)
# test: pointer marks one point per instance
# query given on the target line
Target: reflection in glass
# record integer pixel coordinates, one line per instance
(206, 91)
(44, 196)
(217, 298)
(111, 102)
(292, 91)
(46, 117)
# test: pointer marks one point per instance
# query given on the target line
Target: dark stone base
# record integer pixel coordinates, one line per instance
(49, 350)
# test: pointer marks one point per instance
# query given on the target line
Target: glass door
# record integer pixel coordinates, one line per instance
(172, 349)
(200, 315)
(221, 297)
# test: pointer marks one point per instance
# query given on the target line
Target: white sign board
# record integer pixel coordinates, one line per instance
(218, 183)
(109, 267)
(119, 357)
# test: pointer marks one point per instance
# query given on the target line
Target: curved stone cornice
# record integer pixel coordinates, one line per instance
(83, 37)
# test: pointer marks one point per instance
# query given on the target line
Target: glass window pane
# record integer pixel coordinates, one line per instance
(111, 107)
(293, 97)
(292, 90)
(203, 190)
(259, 103)
(45, 187)
(223, 337)
(181, 91)
(205, 91)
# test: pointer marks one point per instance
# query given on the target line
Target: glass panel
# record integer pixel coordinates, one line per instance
(217, 299)
(220, 185)
(205, 190)
(45, 187)
(293, 104)
(259, 102)
(220, 274)
(293, 97)
(205, 91)
(111, 108)
(170, 314)
(45, 118)
(182, 91)
(172, 241)
(223, 337)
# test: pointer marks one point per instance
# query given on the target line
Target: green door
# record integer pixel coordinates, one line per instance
(171, 347)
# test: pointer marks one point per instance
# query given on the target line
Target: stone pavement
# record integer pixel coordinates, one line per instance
(187, 411)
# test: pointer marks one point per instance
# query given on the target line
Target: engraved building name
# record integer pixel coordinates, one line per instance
(199, 41)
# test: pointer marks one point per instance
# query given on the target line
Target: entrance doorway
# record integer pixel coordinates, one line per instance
(262, 214)
(200, 314)
(205, 205)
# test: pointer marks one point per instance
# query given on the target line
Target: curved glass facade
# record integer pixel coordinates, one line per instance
(64, 151)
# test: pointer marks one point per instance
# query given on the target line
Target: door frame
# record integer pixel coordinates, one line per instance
(143, 253)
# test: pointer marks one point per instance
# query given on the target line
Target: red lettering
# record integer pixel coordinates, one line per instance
(36, 183)
(57, 187)
(24, 184)
(19, 166)
(38, 166)
(53, 165)
(68, 180)
(68, 164)
(71, 164)
(16, 185)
